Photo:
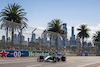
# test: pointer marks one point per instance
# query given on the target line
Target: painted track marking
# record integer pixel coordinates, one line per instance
(15, 62)
(88, 64)
(34, 65)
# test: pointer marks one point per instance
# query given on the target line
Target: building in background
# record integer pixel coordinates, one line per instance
(44, 38)
(72, 31)
(3, 38)
(28, 40)
(72, 39)
(18, 38)
(33, 38)
(9, 40)
(65, 28)
(15, 39)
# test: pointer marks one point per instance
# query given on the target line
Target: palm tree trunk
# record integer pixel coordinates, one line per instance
(82, 43)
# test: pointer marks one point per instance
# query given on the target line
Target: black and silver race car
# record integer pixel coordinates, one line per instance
(51, 58)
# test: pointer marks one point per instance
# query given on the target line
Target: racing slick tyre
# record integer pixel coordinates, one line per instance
(58, 59)
(63, 58)
(40, 59)
(54, 59)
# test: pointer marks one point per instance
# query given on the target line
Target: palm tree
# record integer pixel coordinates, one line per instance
(96, 36)
(54, 30)
(96, 39)
(14, 13)
(83, 32)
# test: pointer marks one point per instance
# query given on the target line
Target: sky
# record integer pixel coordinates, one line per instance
(71, 12)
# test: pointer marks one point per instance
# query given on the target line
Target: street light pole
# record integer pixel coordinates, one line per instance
(7, 36)
(32, 37)
(33, 32)
(21, 37)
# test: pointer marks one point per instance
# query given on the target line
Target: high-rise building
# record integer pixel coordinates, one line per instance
(39, 40)
(23, 38)
(9, 39)
(65, 28)
(44, 37)
(60, 42)
(28, 40)
(78, 43)
(33, 37)
(52, 42)
(15, 39)
(3, 38)
(72, 31)
(18, 39)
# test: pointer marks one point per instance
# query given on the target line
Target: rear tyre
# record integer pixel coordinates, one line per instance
(54, 60)
(63, 58)
(58, 59)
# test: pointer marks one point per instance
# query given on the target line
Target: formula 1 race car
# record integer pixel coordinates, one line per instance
(51, 59)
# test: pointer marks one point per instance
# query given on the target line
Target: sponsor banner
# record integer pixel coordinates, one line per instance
(98, 54)
(71, 54)
(38, 53)
(83, 54)
(13, 53)
(91, 54)
(86, 54)
(59, 53)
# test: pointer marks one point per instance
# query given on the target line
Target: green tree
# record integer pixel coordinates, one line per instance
(36, 45)
(83, 32)
(96, 36)
(14, 13)
(96, 39)
(54, 30)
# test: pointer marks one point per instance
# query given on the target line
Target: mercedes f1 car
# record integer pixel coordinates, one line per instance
(51, 58)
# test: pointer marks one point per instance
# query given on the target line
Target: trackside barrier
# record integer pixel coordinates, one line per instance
(19, 53)
(59, 53)
(71, 54)
(82, 54)
(98, 54)
(38, 53)
(92, 54)
(87, 54)
(13, 53)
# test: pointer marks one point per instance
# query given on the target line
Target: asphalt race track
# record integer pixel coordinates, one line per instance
(71, 61)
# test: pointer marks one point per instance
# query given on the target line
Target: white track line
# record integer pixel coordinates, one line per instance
(34, 65)
(88, 64)
(16, 62)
